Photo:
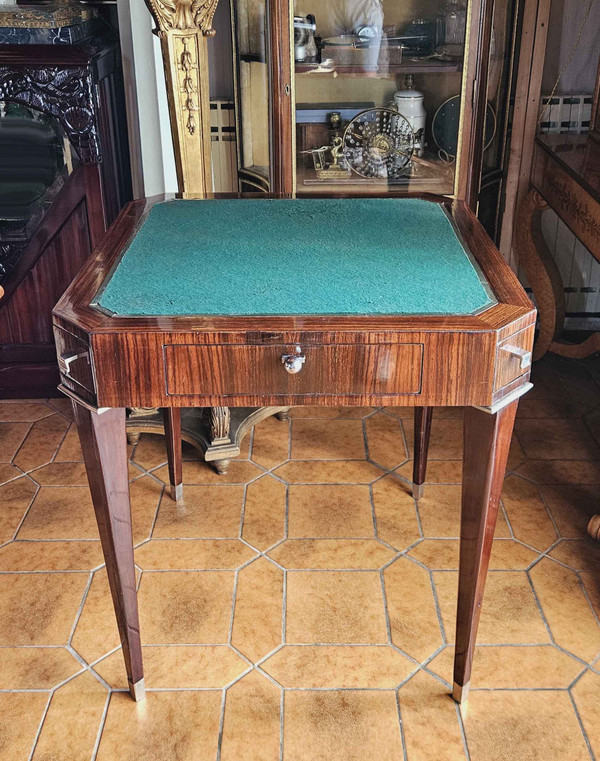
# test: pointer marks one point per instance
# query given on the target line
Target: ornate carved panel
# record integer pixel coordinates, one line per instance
(63, 92)
(196, 15)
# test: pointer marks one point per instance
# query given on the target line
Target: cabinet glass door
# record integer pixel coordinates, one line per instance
(378, 94)
(251, 93)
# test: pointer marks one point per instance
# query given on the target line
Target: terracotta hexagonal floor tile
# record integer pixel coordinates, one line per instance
(198, 472)
(341, 725)
(264, 512)
(509, 614)
(63, 512)
(439, 511)
(438, 471)
(61, 474)
(174, 725)
(39, 608)
(96, 633)
(446, 441)
(385, 440)
(185, 607)
(192, 554)
(15, 499)
(329, 472)
(556, 440)
(330, 511)
(527, 513)
(178, 667)
(571, 507)
(20, 717)
(12, 436)
(498, 723)
(578, 554)
(331, 554)
(70, 449)
(539, 667)
(271, 442)
(567, 609)
(560, 471)
(257, 627)
(338, 666)
(586, 694)
(411, 608)
(9, 472)
(51, 556)
(252, 722)
(36, 668)
(395, 513)
(335, 607)
(430, 721)
(71, 725)
(442, 555)
(41, 442)
(327, 440)
(204, 512)
(24, 411)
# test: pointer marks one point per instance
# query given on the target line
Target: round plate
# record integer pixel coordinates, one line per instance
(445, 126)
(379, 143)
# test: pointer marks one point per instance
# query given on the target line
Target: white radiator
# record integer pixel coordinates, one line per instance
(224, 157)
(566, 113)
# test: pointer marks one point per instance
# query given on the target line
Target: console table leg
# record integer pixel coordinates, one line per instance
(423, 417)
(172, 422)
(104, 446)
(486, 444)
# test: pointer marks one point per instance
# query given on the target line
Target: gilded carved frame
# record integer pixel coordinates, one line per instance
(182, 27)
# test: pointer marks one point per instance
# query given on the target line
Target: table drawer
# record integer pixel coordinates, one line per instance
(326, 369)
(74, 361)
(513, 357)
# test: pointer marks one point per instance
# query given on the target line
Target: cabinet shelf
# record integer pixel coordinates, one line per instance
(387, 72)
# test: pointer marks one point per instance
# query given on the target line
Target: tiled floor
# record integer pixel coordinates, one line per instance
(301, 607)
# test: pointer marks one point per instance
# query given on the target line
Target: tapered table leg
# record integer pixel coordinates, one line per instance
(486, 444)
(423, 417)
(172, 423)
(104, 446)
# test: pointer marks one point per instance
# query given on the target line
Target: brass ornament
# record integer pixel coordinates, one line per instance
(189, 67)
(184, 15)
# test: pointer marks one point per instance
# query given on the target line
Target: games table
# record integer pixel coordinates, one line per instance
(265, 301)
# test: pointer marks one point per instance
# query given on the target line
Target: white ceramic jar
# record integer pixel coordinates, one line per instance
(410, 103)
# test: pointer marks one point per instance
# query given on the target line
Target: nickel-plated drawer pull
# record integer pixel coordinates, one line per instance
(293, 362)
(66, 360)
(523, 355)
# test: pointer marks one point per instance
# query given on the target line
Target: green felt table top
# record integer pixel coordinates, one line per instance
(301, 256)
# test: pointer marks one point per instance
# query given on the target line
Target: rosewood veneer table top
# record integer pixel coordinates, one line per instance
(310, 256)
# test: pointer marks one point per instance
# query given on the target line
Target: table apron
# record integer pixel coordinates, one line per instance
(160, 369)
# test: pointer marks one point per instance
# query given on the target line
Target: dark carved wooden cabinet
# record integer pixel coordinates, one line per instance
(60, 98)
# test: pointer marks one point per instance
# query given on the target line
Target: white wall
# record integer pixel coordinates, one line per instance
(566, 18)
(153, 167)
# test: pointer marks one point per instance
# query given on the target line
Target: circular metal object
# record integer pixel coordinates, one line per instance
(379, 143)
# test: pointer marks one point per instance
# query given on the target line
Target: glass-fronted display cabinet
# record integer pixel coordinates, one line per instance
(362, 96)
(251, 87)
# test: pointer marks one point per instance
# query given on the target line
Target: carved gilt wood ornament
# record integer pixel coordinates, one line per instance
(182, 27)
